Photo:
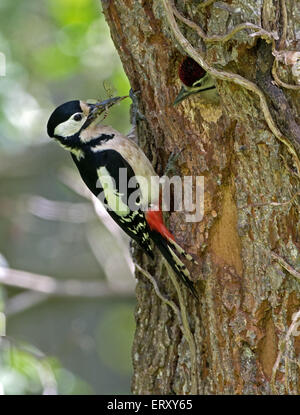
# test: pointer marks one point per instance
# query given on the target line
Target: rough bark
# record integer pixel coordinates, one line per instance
(247, 296)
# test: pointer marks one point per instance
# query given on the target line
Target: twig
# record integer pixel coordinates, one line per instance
(23, 302)
(282, 44)
(286, 266)
(50, 286)
(182, 318)
(188, 22)
(59, 211)
(278, 81)
(158, 293)
(218, 38)
(186, 331)
(227, 76)
(282, 347)
(276, 204)
(242, 26)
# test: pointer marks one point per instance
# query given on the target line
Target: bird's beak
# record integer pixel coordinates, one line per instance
(204, 84)
(98, 108)
(184, 93)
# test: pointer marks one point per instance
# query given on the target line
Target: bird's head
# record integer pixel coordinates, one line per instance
(69, 119)
(194, 79)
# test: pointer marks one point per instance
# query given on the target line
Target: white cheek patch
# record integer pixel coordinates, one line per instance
(69, 127)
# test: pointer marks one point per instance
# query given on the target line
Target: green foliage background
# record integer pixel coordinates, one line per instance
(56, 50)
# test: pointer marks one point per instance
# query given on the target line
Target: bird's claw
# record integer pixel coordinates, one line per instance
(135, 112)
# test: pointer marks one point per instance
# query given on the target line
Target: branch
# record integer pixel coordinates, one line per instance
(59, 211)
(50, 286)
(227, 76)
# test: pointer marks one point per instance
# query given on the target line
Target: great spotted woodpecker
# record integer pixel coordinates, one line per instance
(194, 79)
(105, 158)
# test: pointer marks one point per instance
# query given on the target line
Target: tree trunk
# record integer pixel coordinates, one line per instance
(236, 339)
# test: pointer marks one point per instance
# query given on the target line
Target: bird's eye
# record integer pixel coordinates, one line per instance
(77, 117)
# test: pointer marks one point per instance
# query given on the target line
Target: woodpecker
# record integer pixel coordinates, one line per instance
(106, 159)
(194, 79)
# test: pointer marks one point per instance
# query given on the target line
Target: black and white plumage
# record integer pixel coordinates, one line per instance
(100, 153)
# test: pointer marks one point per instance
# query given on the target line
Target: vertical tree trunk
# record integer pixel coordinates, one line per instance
(251, 221)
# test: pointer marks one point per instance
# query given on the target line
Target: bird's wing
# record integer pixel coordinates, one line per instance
(120, 193)
(113, 173)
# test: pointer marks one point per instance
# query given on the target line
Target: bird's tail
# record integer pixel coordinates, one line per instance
(170, 250)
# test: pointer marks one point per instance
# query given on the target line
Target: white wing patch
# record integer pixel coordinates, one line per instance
(114, 199)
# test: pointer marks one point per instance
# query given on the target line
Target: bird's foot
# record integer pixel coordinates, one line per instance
(135, 112)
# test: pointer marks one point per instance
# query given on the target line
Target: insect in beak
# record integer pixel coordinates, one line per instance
(98, 108)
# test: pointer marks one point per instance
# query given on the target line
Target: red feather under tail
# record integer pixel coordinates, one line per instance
(156, 222)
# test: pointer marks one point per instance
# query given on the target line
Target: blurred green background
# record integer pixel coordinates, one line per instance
(66, 293)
